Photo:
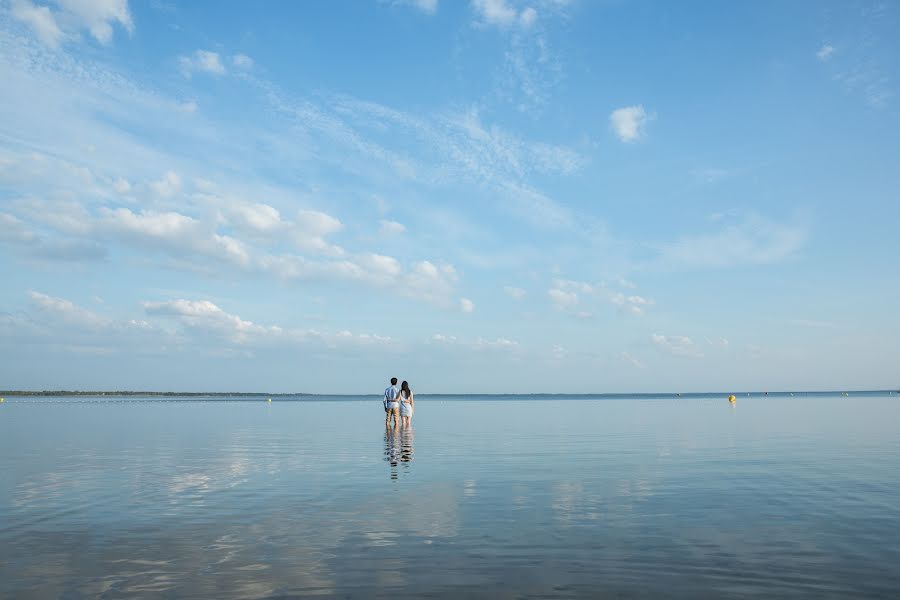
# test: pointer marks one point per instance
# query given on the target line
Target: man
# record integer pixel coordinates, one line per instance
(391, 404)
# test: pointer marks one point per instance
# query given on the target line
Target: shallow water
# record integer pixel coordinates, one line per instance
(787, 497)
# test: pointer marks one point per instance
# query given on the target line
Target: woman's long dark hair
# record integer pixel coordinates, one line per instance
(404, 387)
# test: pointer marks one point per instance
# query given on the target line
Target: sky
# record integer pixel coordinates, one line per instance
(476, 196)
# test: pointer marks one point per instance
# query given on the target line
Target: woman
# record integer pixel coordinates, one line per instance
(406, 404)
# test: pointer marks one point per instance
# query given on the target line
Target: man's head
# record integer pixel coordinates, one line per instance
(393, 381)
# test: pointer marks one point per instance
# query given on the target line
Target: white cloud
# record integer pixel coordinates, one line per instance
(717, 342)
(311, 227)
(40, 19)
(72, 16)
(202, 60)
(188, 107)
(480, 343)
(570, 285)
(562, 299)
(443, 339)
(466, 305)
(825, 52)
(514, 292)
(495, 12)
(498, 343)
(676, 345)
(12, 229)
(390, 228)
(168, 185)
(99, 16)
(206, 315)
(242, 61)
(630, 123)
(382, 267)
(171, 231)
(67, 311)
(255, 218)
(633, 304)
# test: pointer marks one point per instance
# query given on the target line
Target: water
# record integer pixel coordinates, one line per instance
(786, 497)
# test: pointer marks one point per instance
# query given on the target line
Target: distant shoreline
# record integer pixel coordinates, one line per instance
(129, 393)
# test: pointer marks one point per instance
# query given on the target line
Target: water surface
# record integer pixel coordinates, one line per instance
(776, 496)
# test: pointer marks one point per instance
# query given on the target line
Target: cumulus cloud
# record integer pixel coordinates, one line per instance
(70, 17)
(67, 311)
(171, 231)
(466, 305)
(206, 315)
(825, 52)
(676, 345)
(204, 61)
(205, 318)
(311, 227)
(630, 123)
(254, 218)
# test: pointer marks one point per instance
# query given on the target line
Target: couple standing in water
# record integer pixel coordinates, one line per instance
(398, 404)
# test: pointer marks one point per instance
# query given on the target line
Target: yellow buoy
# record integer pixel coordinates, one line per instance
(2, 400)
(270, 399)
(732, 399)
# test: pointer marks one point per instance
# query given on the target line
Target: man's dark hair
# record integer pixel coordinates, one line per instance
(393, 381)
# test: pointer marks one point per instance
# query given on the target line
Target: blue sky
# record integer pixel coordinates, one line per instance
(484, 196)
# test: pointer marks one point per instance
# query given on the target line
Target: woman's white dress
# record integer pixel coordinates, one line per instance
(406, 409)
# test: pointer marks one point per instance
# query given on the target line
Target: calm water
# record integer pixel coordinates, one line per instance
(787, 497)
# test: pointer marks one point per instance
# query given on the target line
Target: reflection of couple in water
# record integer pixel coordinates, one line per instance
(398, 404)
(398, 448)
